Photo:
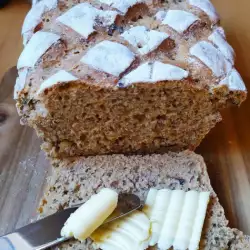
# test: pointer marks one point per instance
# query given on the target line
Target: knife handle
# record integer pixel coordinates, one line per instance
(13, 242)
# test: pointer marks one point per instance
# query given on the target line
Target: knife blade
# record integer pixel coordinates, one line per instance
(47, 232)
(36, 235)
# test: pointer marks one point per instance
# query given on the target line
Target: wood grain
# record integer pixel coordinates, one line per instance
(23, 166)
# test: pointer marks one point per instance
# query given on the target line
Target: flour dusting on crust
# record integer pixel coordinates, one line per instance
(34, 17)
(219, 40)
(207, 7)
(20, 82)
(110, 57)
(212, 58)
(60, 76)
(37, 46)
(84, 17)
(121, 5)
(179, 20)
(143, 39)
(160, 15)
(152, 73)
(234, 81)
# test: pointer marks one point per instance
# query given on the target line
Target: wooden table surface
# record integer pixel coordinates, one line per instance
(23, 166)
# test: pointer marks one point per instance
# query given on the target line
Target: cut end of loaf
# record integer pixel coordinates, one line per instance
(89, 120)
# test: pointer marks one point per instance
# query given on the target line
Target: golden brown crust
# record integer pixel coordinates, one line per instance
(145, 15)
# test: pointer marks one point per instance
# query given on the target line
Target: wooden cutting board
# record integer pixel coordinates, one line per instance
(23, 167)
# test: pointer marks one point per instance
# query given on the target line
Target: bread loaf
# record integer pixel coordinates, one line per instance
(73, 182)
(109, 76)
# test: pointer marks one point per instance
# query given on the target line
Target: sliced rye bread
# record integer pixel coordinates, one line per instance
(74, 181)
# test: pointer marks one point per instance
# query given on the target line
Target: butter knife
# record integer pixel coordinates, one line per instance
(45, 233)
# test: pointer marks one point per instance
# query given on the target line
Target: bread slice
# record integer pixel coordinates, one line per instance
(73, 182)
(103, 76)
